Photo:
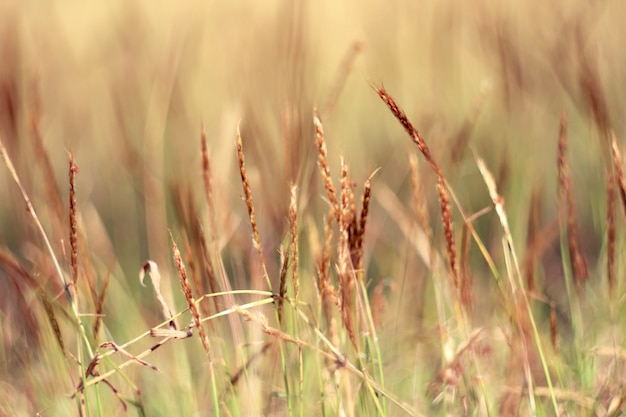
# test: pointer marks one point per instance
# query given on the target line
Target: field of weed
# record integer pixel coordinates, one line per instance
(312, 208)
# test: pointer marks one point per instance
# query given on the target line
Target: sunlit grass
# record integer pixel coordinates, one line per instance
(457, 255)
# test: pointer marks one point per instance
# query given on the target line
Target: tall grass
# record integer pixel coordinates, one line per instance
(342, 209)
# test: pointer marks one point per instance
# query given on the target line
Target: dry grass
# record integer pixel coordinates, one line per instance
(251, 213)
(324, 167)
(566, 200)
(334, 291)
(444, 199)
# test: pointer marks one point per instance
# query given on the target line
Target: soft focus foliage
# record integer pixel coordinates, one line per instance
(127, 87)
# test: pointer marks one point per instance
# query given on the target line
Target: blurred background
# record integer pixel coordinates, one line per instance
(127, 86)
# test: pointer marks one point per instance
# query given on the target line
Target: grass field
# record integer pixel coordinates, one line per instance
(312, 208)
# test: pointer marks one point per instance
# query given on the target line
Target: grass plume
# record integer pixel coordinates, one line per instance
(320, 141)
(250, 205)
(195, 313)
(344, 261)
(444, 199)
(73, 170)
(566, 200)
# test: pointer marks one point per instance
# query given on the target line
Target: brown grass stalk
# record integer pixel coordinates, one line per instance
(408, 126)
(348, 208)
(554, 334)
(465, 277)
(282, 285)
(328, 296)
(184, 209)
(610, 236)
(444, 199)
(448, 230)
(73, 170)
(100, 306)
(293, 230)
(324, 167)
(208, 186)
(590, 84)
(52, 319)
(345, 267)
(206, 261)
(579, 267)
(539, 240)
(362, 225)
(323, 263)
(349, 216)
(325, 287)
(251, 213)
(195, 279)
(184, 283)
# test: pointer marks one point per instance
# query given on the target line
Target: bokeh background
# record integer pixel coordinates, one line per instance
(127, 86)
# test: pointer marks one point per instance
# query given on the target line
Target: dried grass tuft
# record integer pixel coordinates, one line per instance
(345, 266)
(184, 282)
(73, 170)
(324, 167)
(444, 199)
(362, 225)
(448, 230)
(408, 126)
(282, 286)
(251, 213)
(579, 267)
